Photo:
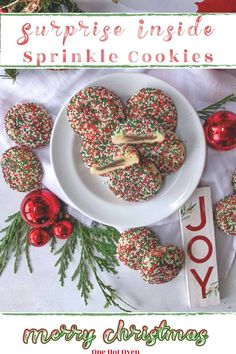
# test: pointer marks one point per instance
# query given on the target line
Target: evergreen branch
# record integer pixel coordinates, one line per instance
(14, 241)
(209, 110)
(66, 252)
(27, 256)
(10, 74)
(98, 251)
(53, 244)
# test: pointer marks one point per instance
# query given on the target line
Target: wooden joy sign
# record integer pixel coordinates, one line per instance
(200, 250)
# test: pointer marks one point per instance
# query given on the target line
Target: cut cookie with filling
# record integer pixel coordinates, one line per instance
(115, 157)
(138, 131)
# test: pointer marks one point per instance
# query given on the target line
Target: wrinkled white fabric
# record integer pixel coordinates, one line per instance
(139, 5)
(201, 87)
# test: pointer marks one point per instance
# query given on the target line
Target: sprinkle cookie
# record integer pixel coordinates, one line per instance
(94, 112)
(138, 131)
(136, 183)
(153, 103)
(21, 169)
(134, 244)
(104, 158)
(28, 124)
(225, 215)
(167, 155)
(162, 264)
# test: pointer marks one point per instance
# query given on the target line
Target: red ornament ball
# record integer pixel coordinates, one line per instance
(3, 11)
(62, 229)
(40, 208)
(38, 237)
(220, 130)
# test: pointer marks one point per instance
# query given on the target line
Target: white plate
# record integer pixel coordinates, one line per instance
(90, 194)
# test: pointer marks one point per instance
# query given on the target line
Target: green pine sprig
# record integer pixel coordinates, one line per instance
(220, 105)
(97, 254)
(14, 242)
(10, 74)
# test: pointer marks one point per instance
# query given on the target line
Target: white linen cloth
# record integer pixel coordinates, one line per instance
(201, 87)
(139, 5)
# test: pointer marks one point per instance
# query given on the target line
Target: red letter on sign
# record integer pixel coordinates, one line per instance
(203, 217)
(203, 282)
(209, 253)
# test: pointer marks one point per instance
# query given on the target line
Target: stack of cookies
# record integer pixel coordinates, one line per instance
(134, 146)
(140, 249)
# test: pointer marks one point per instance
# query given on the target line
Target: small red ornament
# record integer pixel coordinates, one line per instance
(62, 229)
(3, 11)
(38, 237)
(220, 130)
(40, 208)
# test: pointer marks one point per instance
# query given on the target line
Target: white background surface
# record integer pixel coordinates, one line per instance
(41, 290)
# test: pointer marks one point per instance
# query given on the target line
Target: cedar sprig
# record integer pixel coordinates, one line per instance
(10, 74)
(66, 252)
(14, 242)
(220, 105)
(97, 253)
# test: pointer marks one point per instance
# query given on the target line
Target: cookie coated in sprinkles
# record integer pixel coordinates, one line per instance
(94, 112)
(136, 131)
(28, 124)
(168, 155)
(162, 264)
(153, 103)
(225, 214)
(21, 169)
(103, 153)
(134, 244)
(135, 183)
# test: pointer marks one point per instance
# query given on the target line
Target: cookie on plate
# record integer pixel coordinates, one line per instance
(134, 244)
(21, 169)
(162, 264)
(136, 183)
(103, 158)
(138, 131)
(225, 214)
(153, 103)
(168, 155)
(94, 112)
(28, 124)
